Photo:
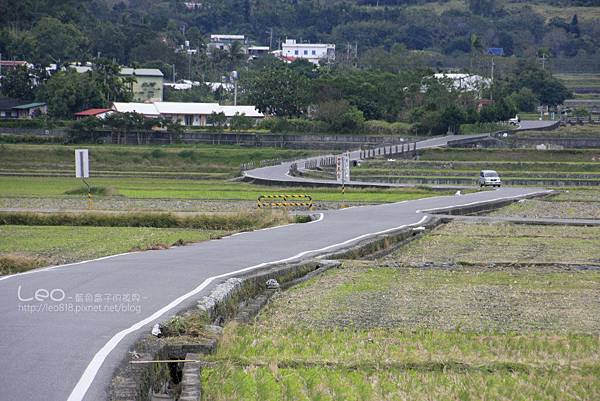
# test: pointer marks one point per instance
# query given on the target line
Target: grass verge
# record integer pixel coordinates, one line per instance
(114, 158)
(238, 222)
(27, 247)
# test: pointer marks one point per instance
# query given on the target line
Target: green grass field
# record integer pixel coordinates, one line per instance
(195, 161)
(146, 188)
(26, 247)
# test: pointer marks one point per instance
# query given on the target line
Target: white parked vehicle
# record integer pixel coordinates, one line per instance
(489, 178)
(515, 121)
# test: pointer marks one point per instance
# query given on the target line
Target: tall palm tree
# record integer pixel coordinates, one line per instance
(476, 48)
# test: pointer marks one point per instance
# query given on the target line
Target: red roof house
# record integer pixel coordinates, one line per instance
(98, 113)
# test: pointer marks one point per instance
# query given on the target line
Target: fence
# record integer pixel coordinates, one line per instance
(403, 149)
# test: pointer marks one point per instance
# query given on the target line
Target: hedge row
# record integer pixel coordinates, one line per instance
(241, 221)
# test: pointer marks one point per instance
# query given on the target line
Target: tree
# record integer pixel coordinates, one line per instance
(483, 7)
(67, 92)
(340, 116)
(17, 83)
(476, 49)
(85, 130)
(453, 117)
(574, 26)
(580, 112)
(217, 120)
(125, 123)
(241, 122)
(277, 90)
(174, 129)
(114, 87)
(549, 90)
(525, 100)
(57, 41)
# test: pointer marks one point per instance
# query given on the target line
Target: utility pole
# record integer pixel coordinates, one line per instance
(189, 64)
(270, 39)
(543, 61)
(234, 78)
(173, 73)
(492, 86)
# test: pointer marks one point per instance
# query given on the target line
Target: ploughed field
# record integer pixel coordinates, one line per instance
(468, 311)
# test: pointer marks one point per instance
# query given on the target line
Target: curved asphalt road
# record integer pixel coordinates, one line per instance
(279, 173)
(65, 329)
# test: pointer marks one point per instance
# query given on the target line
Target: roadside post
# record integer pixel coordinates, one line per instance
(342, 173)
(82, 170)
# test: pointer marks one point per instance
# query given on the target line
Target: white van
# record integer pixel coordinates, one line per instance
(489, 178)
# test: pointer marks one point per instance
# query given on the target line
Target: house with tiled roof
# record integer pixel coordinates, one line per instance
(21, 109)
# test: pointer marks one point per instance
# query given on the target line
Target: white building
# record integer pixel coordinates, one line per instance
(224, 42)
(258, 51)
(187, 114)
(313, 52)
(465, 82)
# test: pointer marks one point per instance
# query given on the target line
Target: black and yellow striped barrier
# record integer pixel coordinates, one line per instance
(283, 200)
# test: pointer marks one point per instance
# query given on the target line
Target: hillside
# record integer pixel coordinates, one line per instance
(439, 34)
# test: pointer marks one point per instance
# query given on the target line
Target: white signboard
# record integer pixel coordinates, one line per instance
(82, 163)
(343, 168)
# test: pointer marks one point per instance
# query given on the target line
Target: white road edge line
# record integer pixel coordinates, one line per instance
(321, 216)
(86, 379)
(43, 269)
(483, 201)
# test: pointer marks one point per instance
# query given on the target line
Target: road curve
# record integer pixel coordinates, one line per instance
(279, 174)
(54, 354)
(65, 329)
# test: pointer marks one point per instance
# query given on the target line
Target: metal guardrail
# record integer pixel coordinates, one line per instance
(285, 201)
(403, 149)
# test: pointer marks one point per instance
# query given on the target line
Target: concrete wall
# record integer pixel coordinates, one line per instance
(57, 132)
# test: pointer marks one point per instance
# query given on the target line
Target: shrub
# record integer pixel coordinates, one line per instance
(41, 123)
(187, 154)
(380, 127)
(100, 191)
(238, 222)
(340, 116)
(299, 125)
(158, 154)
(481, 128)
(4, 138)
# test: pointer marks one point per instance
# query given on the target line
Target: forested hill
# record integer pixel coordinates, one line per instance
(445, 32)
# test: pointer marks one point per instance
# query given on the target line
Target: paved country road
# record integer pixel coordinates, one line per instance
(45, 353)
(65, 329)
(278, 174)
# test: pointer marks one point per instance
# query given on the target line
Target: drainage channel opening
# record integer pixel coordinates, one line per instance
(167, 381)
